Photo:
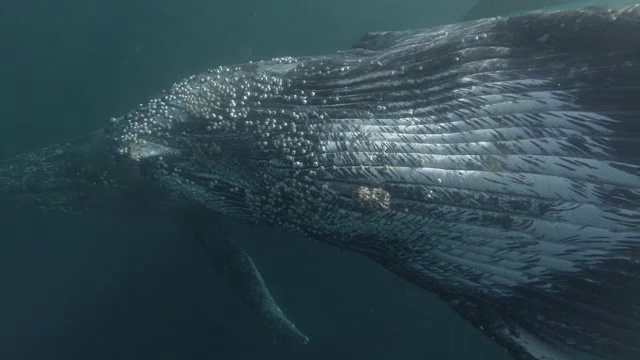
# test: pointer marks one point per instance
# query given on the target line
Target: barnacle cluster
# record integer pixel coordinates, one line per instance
(373, 197)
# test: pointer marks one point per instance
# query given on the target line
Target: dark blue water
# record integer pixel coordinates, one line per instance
(80, 287)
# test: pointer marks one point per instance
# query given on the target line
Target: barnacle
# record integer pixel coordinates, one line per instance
(373, 197)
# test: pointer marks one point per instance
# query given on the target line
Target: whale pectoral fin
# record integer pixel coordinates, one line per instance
(237, 267)
(241, 273)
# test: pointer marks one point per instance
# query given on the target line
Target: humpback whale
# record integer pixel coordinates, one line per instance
(495, 163)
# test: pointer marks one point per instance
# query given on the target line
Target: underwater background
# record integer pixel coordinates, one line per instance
(82, 287)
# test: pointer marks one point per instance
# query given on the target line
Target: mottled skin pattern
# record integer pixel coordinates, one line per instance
(503, 155)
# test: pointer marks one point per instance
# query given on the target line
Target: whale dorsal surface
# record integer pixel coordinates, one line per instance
(489, 8)
(495, 163)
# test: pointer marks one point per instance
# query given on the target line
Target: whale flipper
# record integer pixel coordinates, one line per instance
(243, 276)
(236, 266)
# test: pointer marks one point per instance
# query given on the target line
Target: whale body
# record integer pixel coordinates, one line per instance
(495, 163)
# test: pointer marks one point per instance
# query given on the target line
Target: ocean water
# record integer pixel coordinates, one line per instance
(82, 287)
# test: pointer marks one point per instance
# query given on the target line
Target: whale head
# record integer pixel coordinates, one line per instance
(209, 139)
